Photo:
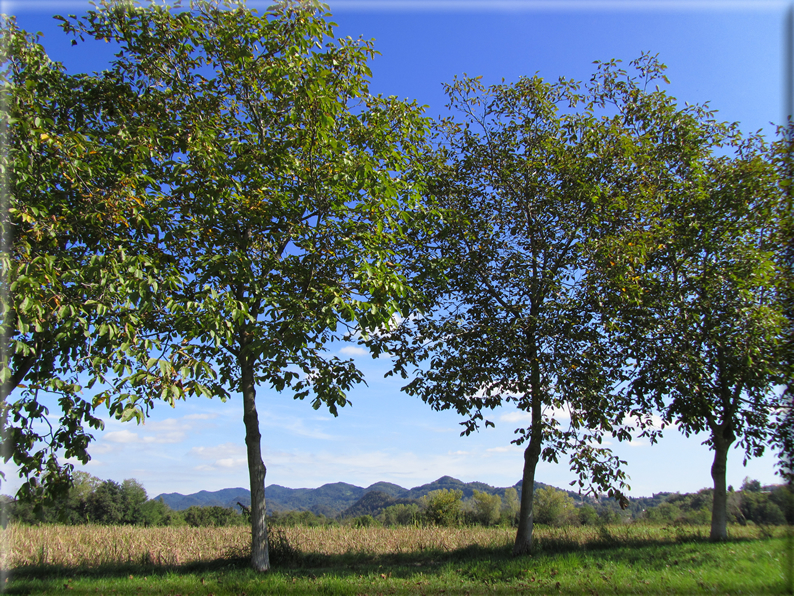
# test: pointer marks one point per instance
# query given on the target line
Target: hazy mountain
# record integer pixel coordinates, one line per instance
(227, 497)
(333, 499)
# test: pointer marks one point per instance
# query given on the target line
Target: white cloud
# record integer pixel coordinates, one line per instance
(505, 449)
(200, 416)
(170, 437)
(222, 451)
(354, 351)
(168, 431)
(563, 413)
(231, 463)
(121, 436)
(226, 456)
(517, 416)
(103, 448)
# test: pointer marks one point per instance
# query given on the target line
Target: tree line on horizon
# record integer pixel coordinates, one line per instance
(106, 502)
(227, 198)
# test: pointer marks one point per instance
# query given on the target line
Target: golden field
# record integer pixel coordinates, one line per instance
(92, 546)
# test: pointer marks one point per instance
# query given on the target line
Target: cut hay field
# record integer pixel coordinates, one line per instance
(630, 559)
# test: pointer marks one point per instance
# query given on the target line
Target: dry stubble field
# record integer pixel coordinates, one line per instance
(628, 559)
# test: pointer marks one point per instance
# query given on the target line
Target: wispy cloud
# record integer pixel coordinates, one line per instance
(200, 416)
(224, 450)
(505, 449)
(296, 426)
(226, 456)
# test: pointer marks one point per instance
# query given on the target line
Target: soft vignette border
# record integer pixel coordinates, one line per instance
(785, 6)
(5, 233)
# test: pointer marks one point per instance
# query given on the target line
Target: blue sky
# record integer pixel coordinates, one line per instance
(730, 54)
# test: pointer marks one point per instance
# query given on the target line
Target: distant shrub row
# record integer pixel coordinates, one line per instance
(95, 501)
(105, 502)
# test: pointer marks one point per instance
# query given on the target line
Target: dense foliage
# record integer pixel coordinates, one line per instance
(83, 282)
(283, 184)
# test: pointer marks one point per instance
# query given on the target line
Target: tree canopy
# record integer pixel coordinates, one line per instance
(81, 278)
(697, 285)
(531, 180)
(607, 256)
(281, 185)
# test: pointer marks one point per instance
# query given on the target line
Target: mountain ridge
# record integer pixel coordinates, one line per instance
(329, 499)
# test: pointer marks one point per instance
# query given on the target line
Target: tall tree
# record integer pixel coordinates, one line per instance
(79, 283)
(286, 183)
(532, 179)
(697, 282)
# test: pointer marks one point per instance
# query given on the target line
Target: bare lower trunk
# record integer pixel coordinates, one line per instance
(526, 515)
(260, 557)
(719, 509)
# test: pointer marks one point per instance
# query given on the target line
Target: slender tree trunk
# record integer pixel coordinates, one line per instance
(719, 510)
(526, 515)
(260, 557)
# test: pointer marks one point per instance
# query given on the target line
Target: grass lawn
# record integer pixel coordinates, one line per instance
(378, 561)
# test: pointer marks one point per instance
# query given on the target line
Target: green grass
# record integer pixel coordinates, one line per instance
(650, 566)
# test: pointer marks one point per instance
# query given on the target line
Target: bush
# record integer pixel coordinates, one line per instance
(783, 497)
(297, 518)
(486, 509)
(665, 513)
(213, 516)
(157, 513)
(587, 515)
(106, 505)
(442, 507)
(510, 507)
(759, 508)
(364, 521)
(400, 515)
(553, 507)
(695, 517)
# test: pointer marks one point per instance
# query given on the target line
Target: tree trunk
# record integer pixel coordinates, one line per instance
(719, 510)
(260, 556)
(526, 515)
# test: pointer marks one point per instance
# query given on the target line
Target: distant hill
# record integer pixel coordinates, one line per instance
(329, 499)
(226, 497)
(336, 498)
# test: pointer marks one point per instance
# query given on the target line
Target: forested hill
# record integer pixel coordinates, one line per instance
(329, 499)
